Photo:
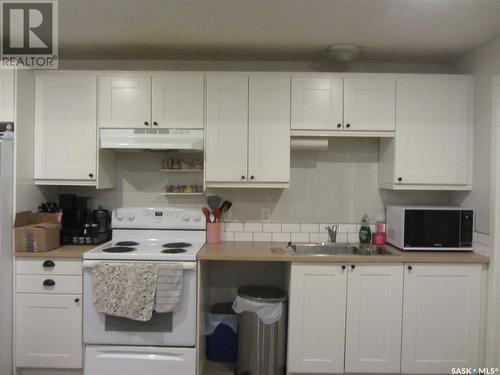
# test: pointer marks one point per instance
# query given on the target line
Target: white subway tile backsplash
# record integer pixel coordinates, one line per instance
(233, 227)
(318, 237)
(482, 238)
(300, 237)
(271, 227)
(348, 228)
(243, 236)
(252, 227)
(353, 237)
(341, 237)
(262, 236)
(309, 228)
(227, 236)
(281, 237)
(287, 227)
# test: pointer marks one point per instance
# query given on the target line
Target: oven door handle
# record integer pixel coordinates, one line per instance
(88, 264)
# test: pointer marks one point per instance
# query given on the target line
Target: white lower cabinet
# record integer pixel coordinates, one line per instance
(316, 328)
(48, 320)
(374, 310)
(441, 318)
(383, 318)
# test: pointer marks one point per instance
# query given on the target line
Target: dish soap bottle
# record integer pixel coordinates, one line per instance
(365, 234)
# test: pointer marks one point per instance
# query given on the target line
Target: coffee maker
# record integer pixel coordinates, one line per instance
(80, 225)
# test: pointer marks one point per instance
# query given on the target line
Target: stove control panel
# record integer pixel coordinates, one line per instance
(158, 218)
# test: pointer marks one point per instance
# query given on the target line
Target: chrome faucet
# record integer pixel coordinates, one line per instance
(332, 232)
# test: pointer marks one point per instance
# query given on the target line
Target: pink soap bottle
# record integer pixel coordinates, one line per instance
(379, 237)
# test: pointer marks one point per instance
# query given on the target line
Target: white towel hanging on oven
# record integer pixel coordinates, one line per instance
(168, 287)
(125, 290)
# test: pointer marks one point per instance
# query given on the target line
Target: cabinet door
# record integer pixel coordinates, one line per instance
(369, 104)
(269, 130)
(124, 100)
(317, 103)
(441, 313)
(433, 117)
(227, 128)
(65, 127)
(7, 95)
(316, 329)
(49, 331)
(374, 313)
(178, 100)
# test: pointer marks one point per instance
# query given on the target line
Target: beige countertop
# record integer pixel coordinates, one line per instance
(66, 251)
(279, 252)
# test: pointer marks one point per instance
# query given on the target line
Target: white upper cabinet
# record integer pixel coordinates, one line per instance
(317, 102)
(177, 100)
(269, 129)
(441, 318)
(124, 100)
(247, 130)
(65, 128)
(369, 103)
(226, 128)
(7, 95)
(374, 311)
(434, 135)
(316, 325)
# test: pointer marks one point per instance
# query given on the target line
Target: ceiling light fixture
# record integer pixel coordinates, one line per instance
(343, 53)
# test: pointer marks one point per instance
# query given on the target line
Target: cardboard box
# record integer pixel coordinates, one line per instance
(36, 232)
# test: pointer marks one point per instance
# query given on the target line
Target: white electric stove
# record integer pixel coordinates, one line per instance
(167, 343)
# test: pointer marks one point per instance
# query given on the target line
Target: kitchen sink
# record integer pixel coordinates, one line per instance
(327, 248)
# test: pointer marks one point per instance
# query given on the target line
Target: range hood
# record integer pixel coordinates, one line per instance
(151, 139)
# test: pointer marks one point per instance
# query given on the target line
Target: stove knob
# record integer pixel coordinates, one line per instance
(119, 215)
(186, 218)
(197, 218)
(131, 216)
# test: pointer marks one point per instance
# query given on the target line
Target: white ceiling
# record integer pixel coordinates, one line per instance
(388, 30)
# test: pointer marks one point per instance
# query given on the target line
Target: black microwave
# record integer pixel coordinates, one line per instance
(430, 228)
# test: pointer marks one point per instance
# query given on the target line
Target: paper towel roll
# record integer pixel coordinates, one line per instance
(309, 144)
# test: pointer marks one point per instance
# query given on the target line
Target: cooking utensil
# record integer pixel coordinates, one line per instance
(216, 214)
(206, 212)
(213, 202)
(224, 207)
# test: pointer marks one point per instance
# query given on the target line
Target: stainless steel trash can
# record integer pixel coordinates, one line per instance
(261, 347)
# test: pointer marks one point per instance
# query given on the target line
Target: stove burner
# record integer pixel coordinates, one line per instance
(126, 243)
(175, 250)
(177, 244)
(118, 249)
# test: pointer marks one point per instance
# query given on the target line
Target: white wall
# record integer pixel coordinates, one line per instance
(484, 64)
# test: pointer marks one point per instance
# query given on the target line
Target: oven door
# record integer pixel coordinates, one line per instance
(168, 329)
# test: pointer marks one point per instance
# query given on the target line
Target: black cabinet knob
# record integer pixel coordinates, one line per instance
(353, 266)
(410, 268)
(48, 264)
(49, 282)
(344, 267)
(400, 179)
(91, 175)
(155, 123)
(146, 123)
(347, 125)
(77, 300)
(242, 177)
(252, 178)
(339, 126)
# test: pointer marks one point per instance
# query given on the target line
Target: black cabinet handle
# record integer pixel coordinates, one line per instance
(155, 123)
(242, 177)
(410, 268)
(339, 125)
(347, 125)
(400, 179)
(91, 175)
(252, 177)
(146, 123)
(48, 263)
(77, 300)
(49, 282)
(343, 266)
(353, 266)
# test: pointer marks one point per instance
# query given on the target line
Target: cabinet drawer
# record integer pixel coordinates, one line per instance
(48, 266)
(55, 284)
